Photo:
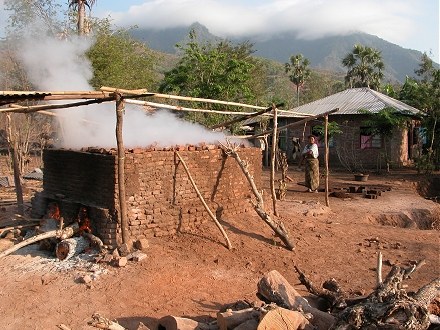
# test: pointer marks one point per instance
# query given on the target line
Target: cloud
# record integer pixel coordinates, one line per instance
(389, 19)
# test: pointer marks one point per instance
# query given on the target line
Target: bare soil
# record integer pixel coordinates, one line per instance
(194, 275)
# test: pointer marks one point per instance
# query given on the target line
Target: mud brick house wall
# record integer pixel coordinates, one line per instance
(159, 195)
(346, 147)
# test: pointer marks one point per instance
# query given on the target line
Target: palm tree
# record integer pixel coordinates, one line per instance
(298, 66)
(80, 7)
(364, 66)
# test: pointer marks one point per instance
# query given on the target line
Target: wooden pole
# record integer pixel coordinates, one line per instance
(121, 167)
(13, 146)
(327, 202)
(297, 123)
(272, 159)
(228, 242)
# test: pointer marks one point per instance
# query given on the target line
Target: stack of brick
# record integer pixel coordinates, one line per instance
(159, 195)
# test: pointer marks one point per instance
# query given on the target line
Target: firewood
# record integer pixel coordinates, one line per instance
(179, 323)
(331, 291)
(70, 247)
(277, 227)
(102, 322)
(231, 319)
(95, 241)
(283, 319)
(60, 234)
(275, 288)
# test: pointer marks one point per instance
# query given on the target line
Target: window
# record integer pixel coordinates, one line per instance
(369, 140)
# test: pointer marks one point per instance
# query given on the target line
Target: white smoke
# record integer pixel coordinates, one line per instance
(60, 65)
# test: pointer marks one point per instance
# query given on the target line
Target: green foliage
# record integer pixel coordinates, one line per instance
(120, 61)
(221, 71)
(383, 122)
(424, 94)
(299, 72)
(333, 129)
(365, 67)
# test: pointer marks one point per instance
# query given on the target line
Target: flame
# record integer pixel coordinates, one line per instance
(84, 221)
(53, 211)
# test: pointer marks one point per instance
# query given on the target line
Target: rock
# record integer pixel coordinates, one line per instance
(141, 244)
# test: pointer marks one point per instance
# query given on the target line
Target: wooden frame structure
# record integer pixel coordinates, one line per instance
(9, 99)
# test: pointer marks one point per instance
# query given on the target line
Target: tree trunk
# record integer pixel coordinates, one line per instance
(70, 247)
(275, 288)
(61, 234)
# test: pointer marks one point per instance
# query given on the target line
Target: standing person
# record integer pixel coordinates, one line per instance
(310, 156)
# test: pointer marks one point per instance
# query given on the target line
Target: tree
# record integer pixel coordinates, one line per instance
(215, 71)
(365, 67)
(119, 60)
(300, 72)
(424, 94)
(80, 7)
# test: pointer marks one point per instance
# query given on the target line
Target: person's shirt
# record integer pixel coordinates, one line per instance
(313, 148)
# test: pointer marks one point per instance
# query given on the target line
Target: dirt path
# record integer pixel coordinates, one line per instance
(193, 274)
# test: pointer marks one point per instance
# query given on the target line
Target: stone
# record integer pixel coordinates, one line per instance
(141, 244)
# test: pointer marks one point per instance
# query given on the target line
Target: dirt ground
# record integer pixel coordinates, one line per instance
(194, 275)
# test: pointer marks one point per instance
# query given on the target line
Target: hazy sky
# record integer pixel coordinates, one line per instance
(411, 24)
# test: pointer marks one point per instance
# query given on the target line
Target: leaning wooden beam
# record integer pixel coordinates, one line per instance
(61, 234)
(35, 108)
(278, 228)
(229, 245)
(246, 116)
(326, 159)
(298, 123)
(179, 108)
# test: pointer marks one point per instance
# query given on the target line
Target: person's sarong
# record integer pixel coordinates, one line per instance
(312, 173)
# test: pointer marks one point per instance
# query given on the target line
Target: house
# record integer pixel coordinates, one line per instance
(354, 148)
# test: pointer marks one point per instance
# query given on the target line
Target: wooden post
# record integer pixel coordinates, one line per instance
(272, 159)
(13, 147)
(327, 202)
(121, 167)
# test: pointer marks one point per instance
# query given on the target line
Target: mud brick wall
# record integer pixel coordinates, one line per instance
(159, 195)
(346, 148)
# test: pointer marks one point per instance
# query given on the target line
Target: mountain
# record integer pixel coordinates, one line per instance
(324, 53)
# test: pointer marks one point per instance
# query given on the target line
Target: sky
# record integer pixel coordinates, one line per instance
(412, 24)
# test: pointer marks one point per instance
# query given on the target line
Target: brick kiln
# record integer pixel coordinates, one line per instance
(159, 195)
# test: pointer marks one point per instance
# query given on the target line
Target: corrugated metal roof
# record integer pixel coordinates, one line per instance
(7, 97)
(351, 101)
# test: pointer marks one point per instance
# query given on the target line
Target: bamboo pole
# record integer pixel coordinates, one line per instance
(246, 116)
(297, 123)
(327, 202)
(272, 160)
(179, 108)
(121, 167)
(213, 217)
